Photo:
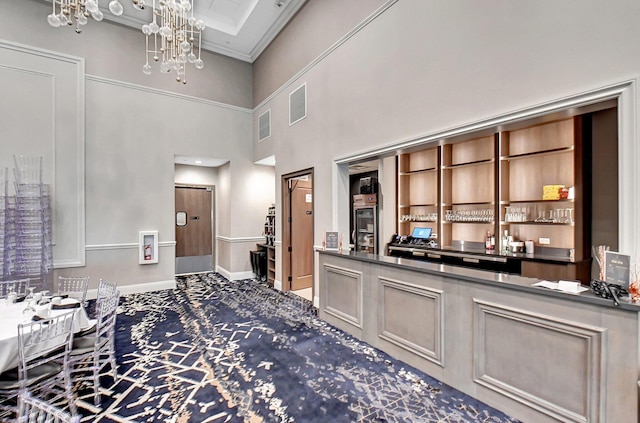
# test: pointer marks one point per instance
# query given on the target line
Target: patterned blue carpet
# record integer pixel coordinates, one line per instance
(215, 350)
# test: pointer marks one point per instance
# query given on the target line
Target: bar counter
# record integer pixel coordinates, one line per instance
(537, 354)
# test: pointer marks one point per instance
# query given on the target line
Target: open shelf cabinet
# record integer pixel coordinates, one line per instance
(467, 189)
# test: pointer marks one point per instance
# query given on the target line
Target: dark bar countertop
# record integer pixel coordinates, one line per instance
(503, 280)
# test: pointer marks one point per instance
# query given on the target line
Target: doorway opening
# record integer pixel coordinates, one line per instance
(297, 233)
(194, 226)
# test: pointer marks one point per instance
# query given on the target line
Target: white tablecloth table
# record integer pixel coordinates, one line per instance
(11, 315)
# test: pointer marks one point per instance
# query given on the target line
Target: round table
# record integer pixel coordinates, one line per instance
(11, 315)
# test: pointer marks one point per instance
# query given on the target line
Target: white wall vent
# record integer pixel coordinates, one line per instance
(264, 125)
(298, 104)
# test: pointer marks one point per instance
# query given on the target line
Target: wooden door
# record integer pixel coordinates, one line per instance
(193, 231)
(301, 234)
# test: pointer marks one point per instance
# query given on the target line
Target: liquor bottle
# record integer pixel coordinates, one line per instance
(505, 242)
(487, 241)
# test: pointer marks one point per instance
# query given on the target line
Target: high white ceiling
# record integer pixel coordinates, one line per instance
(236, 28)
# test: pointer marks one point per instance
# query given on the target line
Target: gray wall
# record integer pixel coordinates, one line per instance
(195, 175)
(418, 68)
(316, 26)
(423, 67)
(117, 52)
(132, 129)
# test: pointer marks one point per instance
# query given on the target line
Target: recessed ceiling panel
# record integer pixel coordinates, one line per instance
(236, 28)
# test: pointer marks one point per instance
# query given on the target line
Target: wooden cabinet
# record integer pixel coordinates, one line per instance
(271, 265)
(491, 184)
(418, 178)
(268, 246)
(530, 159)
(268, 254)
(468, 192)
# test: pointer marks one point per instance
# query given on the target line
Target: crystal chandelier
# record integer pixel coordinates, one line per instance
(173, 33)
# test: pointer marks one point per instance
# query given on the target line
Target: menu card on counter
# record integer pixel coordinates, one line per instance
(331, 240)
(617, 268)
(570, 287)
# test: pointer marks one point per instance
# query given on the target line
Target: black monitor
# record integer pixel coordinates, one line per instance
(421, 233)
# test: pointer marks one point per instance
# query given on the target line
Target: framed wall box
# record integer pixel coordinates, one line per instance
(148, 247)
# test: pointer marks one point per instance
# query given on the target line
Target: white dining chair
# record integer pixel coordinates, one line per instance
(43, 363)
(35, 410)
(93, 353)
(19, 286)
(73, 287)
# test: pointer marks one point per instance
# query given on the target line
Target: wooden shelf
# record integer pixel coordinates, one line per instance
(419, 171)
(539, 153)
(468, 164)
(531, 222)
(479, 203)
(450, 222)
(493, 172)
(564, 200)
(406, 206)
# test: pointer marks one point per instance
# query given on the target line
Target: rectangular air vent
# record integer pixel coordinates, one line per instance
(264, 125)
(298, 104)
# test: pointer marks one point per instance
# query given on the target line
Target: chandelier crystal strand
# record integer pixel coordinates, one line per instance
(67, 12)
(178, 30)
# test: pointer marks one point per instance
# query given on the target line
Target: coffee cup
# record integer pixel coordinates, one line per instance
(43, 312)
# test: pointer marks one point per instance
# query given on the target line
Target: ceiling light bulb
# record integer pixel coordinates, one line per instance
(53, 20)
(115, 7)
(98, 16)
(92, 6)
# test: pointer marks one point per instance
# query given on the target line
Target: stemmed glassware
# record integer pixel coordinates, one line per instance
(30, 309)
(30, 295)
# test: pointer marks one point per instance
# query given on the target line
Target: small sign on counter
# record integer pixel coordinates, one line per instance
(617, 268)
(331, 240)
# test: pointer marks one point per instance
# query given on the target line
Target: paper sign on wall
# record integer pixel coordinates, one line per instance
(308, 198)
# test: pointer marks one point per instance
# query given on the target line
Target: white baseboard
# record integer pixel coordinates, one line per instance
(316, 302)
(277, 285)
(234, 276)
(138, 288)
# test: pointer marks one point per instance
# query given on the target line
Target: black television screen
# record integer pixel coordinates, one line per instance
(421, 233)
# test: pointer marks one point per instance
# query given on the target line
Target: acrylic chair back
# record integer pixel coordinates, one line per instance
(106, 315)
(74, 287)
(35, 410)
(44, 341)
(92, 353)
(106, 289)
(19, 286)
